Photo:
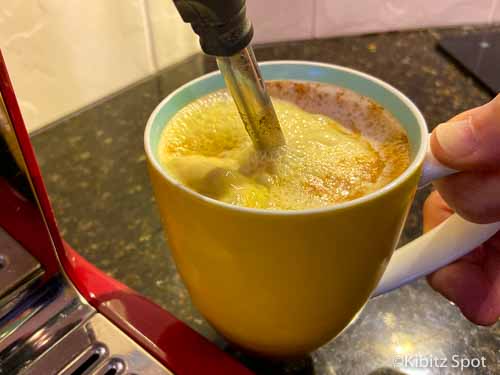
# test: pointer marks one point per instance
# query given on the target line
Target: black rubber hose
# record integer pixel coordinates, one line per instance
(222, 25)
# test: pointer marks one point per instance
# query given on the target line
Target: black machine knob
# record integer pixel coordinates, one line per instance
(222, 25)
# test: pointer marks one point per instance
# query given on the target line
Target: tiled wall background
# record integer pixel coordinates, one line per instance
(66, 54)
(303, 19)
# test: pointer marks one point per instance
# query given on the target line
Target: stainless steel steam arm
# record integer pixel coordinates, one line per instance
(226, 32)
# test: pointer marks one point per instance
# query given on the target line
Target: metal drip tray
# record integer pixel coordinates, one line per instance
(46, 328)
(97, 347)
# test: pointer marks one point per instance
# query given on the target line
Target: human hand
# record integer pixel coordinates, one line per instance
(470, 142)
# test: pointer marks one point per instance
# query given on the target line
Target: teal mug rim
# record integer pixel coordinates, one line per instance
(352, 79)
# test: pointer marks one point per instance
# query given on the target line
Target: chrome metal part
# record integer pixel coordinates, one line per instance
(49, 329)
(246, 85)
(110, 352)
(38, 321)
(53, 332)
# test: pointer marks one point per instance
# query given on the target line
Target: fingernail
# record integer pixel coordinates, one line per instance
(457, 138)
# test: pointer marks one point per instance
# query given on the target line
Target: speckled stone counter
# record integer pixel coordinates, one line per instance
(95, 170)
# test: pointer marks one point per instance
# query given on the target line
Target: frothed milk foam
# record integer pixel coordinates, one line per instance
(339, 146)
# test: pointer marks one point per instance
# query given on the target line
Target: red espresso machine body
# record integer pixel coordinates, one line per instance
(59, 314)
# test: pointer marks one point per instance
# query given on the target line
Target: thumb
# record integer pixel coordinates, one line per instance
(471, 140)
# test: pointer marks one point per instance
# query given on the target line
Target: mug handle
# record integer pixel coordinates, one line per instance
(442, 245)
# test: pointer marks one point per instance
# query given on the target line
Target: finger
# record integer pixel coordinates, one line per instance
(470, 288)
(474, 196)
(435, 211)
(470, 140)
(491, 265)
(494, 242)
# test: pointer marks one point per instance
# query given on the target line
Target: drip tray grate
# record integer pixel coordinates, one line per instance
(96, 347)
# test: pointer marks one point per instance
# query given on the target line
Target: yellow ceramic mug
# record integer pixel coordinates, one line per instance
(282, 283)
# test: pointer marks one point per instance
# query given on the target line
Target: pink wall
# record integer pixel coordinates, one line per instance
(277, 20)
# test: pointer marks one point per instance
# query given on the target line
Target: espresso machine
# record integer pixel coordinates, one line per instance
(59, 314)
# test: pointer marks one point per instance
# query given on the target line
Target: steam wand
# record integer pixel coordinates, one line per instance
(225, 32)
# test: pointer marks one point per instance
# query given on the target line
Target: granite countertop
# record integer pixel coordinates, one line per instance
(94, 167)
